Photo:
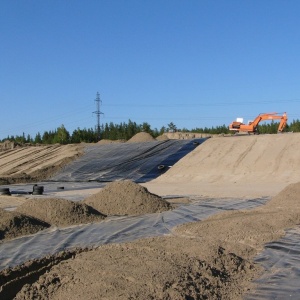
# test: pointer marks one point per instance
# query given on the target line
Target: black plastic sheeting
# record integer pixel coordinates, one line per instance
(281, 260)
(114, 230)
(139, 162)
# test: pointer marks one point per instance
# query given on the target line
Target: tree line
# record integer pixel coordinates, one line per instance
(110, 131)
(125, 131)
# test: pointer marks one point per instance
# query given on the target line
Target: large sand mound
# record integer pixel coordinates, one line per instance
(13, 224)
(141, 137)
(60, 212)
(250, 166)
(239, 158)
(126, 198)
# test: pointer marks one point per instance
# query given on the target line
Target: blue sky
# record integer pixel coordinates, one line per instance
(196, 63)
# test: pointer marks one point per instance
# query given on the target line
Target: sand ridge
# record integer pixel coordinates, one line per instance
(35, 163)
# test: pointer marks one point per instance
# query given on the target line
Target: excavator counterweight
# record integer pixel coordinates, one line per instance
(252, 126)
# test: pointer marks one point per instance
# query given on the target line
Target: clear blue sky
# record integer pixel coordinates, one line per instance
(195, 63)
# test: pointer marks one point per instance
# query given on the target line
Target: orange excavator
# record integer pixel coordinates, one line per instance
(252, 126)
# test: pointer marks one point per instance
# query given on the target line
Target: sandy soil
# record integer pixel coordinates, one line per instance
(211, 259)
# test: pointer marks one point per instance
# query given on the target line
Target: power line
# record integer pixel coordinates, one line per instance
(205, 103)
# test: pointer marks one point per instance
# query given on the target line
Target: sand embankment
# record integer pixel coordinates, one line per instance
(236, 166)
(30, 163)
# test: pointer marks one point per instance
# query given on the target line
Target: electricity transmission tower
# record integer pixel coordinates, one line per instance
(98, 113)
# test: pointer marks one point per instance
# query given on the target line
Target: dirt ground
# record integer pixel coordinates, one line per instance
(211, 259)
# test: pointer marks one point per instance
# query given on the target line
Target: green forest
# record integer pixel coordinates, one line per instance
(125, 131)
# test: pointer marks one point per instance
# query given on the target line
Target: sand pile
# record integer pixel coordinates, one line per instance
(286, 197)
(162, 137)
(13, 224)
(141, 137)
(60, 212)
(126, 198)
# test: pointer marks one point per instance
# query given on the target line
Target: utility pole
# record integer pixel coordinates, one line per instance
(98, 113)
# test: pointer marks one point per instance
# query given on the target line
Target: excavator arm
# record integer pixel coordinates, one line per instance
(283, 122)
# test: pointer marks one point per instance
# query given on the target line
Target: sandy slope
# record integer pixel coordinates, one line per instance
(237, 166)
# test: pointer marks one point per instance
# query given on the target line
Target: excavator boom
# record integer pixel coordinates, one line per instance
(252, 126)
